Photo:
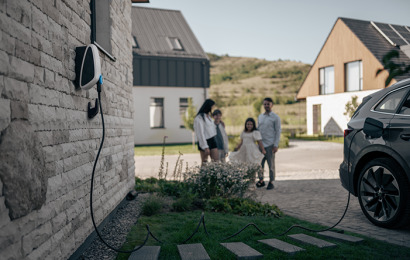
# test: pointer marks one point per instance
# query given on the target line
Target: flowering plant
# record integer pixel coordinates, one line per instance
(223, 179)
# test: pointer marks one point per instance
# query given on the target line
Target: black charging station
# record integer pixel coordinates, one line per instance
(88, 72)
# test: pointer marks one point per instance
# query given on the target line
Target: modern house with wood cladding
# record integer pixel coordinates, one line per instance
(169, 67)
(346, 66)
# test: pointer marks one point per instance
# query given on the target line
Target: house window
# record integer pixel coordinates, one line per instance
(327, 80)
(174, 43)
(183, 106)
(354, 76)
(134, 42)
(101, 26)
(156, 113)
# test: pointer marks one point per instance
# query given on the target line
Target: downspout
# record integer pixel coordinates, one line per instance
(204, 73)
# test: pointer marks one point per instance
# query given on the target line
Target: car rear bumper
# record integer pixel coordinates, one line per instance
(346, 179)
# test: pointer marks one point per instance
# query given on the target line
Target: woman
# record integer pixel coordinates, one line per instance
(249, 151)
(205, 132)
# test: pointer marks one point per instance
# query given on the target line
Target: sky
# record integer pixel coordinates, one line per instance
(271, 29)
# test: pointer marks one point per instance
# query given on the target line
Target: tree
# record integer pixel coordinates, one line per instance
(393, 68)
(351, 107)
(189, 119)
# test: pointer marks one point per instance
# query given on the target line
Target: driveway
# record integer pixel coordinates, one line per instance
(298, 161)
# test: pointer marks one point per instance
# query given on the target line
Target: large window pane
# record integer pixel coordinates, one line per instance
(183, 105)
(156, 112)
(354, 76)
(327, 80)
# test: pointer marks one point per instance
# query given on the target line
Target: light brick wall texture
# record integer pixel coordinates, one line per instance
(53, 153)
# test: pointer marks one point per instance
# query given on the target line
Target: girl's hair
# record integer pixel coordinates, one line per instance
(254, 124)
(206, 108)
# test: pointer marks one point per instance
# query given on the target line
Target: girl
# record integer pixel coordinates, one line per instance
(249, 151)
(205, 132)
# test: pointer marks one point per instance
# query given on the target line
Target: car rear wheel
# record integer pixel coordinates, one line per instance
(384, 193)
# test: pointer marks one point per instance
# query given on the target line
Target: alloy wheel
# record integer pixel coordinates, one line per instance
(379, 193)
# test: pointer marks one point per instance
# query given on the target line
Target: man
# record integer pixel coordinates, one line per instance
(221, 138)
(270, 129)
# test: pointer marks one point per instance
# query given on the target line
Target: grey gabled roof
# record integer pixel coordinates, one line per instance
(375, 42)
(151, 27)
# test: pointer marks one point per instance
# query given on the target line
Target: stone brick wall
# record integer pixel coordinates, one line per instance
(47, 143)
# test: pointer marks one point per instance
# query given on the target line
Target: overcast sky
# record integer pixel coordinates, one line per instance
(271, 29)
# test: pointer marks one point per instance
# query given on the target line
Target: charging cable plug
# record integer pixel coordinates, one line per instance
(99, 83)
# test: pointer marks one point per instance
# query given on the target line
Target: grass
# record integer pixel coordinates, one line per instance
(173, 228)
(170, 149)
(334, 139)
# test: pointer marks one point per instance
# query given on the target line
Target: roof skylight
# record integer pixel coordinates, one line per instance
(174, 43)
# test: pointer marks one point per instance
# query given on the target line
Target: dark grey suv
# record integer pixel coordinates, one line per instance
(376, 165)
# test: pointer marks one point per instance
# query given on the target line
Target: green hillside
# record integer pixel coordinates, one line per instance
(239, 84)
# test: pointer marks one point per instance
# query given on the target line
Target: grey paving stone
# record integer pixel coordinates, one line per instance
(193, 252)
(341, 237)
(146, 253)
(242, 251)
(282, 246)
(302, 238)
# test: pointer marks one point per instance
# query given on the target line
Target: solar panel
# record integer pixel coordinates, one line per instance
(389, 33)
(403, 31)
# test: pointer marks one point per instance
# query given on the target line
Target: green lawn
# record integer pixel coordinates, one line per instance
(169, 149)
(173, 228)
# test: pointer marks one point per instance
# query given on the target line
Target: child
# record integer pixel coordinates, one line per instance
(249, 151)
(221, 138)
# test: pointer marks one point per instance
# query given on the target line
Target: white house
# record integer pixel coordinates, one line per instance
(346, 66)
(169, 66)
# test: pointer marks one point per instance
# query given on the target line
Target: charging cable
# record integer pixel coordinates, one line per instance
(99, 83)
(202, 219)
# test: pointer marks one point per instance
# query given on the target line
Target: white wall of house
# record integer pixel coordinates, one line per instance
(332, 106)
(143, 133)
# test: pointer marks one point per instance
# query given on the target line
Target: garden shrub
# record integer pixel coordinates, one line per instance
(223, 179)
(147, 185)
(152, 206)
(184, 203)
(243, 207)
(174, 188)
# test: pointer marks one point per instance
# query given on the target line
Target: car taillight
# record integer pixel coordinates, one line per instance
(347, 131)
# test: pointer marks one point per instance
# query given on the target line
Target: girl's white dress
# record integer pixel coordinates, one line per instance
(249, 151)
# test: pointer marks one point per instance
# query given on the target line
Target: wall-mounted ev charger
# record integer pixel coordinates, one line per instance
(88, 73)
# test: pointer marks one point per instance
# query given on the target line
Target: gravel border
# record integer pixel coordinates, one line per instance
(115, 232)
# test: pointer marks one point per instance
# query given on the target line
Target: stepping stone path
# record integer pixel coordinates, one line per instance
(242, 251)
(305, 239)
(341, 237)
(282, 246)
(146, 253)
(193, 252)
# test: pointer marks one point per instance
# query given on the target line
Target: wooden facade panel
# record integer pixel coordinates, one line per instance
(172, 73)
(163, 73)
(154, 72)
(136, 64)
(189, 73)
(197, 74)
(181, 73)
(150, 71)
(145, 72)
(341, 47)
